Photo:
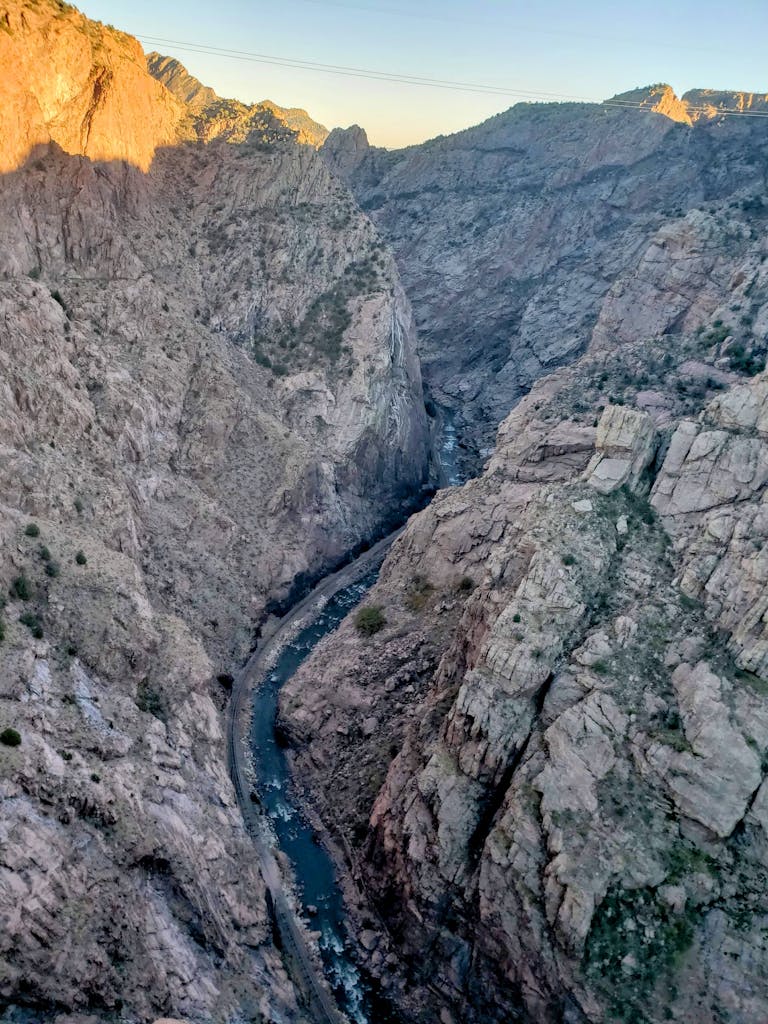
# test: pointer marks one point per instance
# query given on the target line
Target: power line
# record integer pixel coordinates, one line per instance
(502, 17)
(435, 83)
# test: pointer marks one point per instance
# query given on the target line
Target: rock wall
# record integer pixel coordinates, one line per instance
(509, 235)
(568, 697)
(209, 394)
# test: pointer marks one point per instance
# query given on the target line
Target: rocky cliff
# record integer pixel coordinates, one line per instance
(210, 394)
(509, 235)
(230, 119)
(549, 762)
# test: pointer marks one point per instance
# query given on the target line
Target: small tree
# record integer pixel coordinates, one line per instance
(370, 620)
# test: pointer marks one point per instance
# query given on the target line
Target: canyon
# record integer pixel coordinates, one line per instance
(538, 753)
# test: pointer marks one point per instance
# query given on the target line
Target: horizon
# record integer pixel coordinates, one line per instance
(531, 62)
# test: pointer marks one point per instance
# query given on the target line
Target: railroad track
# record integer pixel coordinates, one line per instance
(295, 948)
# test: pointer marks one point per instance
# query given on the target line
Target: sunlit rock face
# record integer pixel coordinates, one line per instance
(80, 84)
(550, 762)
(209, 394)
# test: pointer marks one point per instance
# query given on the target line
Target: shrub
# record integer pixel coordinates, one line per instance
(10, 737)
(419, 592)
(33, 624)
(32, 530)
(44, 553)
(2, 631)
(52, 569)
(148, 700)
(466, 585)
(20, 588)
(80, 558)
(569, 559)
(370, 620)
(516, 617)
(78, 503)
(95, 777)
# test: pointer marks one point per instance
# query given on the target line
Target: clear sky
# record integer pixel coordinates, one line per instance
(591, 49)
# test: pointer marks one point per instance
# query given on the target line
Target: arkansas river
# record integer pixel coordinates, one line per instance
(271, 810)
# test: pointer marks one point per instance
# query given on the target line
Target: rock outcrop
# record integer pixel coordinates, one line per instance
(78, 83)
(572, 817)
(510, 235)
(214, 117)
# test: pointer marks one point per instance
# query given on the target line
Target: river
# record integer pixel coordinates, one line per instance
(313, 868)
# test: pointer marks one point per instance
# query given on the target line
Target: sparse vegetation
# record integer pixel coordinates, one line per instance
(370, 620)
(33, 624)
(32, 530)
(148, 700)
(10, 737)
(419, 592)
(636, 939)
(21, 589)
(80, 558)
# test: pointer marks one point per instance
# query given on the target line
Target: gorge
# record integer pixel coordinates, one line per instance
(237, 351)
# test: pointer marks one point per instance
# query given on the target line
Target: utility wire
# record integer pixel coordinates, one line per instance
(435, 83)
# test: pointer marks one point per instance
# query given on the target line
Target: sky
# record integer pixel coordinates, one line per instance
(591, 49)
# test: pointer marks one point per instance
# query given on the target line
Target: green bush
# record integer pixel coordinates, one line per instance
(80, 558)
(32, 530)
(20, 588)
(44, 553)
(569, 559)
(466, 585)
(52, 569)
(10, 737)
(33, 624)
(78, 503)
(370, 620)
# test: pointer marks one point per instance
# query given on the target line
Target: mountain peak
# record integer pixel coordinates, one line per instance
(659, 98)
(228, 118)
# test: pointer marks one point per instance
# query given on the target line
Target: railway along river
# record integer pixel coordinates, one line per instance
(253, 742)
(313, 868)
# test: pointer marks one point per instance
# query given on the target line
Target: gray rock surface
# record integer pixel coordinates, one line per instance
(208, 394)
(510, 235)
(572, 819)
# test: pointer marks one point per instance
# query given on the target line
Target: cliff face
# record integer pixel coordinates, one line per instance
(215, 117)
(80, 84)
(509, 235)
(209, 391)
(550, 762)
